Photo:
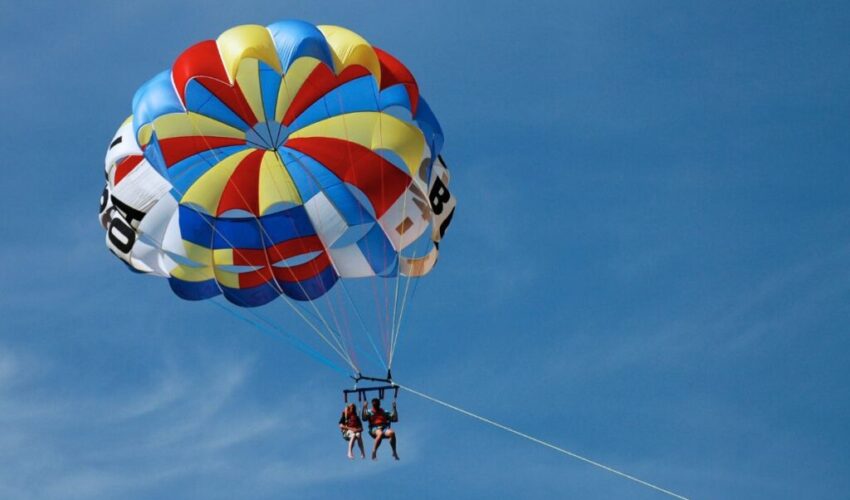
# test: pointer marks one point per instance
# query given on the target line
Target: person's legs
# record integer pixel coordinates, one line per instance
(391, 434)
(360, 444)
(379, 436)
(351, 444)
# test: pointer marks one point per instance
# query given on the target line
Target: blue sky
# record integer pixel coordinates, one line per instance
(650, 263)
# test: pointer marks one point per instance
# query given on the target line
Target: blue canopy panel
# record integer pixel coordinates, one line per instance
(379, 252)
(430, 127)
(185, 172)
(311, 177)
(303, 290)
(396, 96)
(194, 290)
(251, 297)
(310, 288)
(153, 154)
(200, 100)
(360, 94)
(153, 99)
(269, 88)
(197, 228)
(294, 39)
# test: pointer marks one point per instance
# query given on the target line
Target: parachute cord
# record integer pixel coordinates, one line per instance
(386, 335)
(272, 328)
(543, 443)
(398, 312)
(363, 325)
(341, 354)
(297, 343)
(401, 313)
(395, 323)
(339, 337)
(342, 115)
(294, 308)
(293, 340)
(275, 285)
(304, 318)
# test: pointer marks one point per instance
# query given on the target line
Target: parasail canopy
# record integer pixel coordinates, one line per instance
(281, 161)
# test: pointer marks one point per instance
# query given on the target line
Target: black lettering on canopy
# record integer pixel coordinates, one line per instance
(445, 224)
(438, 196)
(129, 212)
(121, 234)
(104, 197)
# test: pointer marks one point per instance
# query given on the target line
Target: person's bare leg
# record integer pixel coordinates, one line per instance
(379, 436)
(351, 445)
(391, 435)
(360, 444)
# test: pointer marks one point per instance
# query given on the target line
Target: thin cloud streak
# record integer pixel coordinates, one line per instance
(192, 420)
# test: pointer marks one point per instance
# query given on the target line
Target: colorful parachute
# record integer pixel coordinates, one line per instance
(274, 161)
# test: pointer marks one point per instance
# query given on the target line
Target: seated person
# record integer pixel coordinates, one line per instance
(352, 429)
(379, 425)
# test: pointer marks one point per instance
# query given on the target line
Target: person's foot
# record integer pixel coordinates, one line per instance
(350, 456)
(363, 456)
(395, 456)
(375, 455)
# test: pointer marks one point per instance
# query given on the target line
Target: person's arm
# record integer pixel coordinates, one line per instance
(365, 414)
(394, 414)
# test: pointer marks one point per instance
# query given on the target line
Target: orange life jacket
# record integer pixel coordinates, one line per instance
(353, 422)
(378, 418)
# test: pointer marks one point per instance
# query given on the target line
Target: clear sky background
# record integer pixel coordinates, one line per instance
(650, 263)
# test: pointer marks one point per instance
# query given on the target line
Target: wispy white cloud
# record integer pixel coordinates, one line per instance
(724, 324)
(189, 422)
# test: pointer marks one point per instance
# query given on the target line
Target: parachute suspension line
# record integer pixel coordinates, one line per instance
(348, 350)
(541, 442)
(394, 328)
(297, 340)
(337, 338)
(397, 322)
(234, 313)
(401, 314)
(272, 329)
(341, 351)
(390, 319)
(343, 324)
(385, 335)
(382, 319)
(340, 341)
(308, 322)
(363, 325)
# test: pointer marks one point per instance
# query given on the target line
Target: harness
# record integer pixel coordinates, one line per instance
(379, 418)
(352, 421)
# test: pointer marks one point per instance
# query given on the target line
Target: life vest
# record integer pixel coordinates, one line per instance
(379, 418)
(353, 422)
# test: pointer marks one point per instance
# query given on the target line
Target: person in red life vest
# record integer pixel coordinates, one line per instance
(352, 429)
(379, 425)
